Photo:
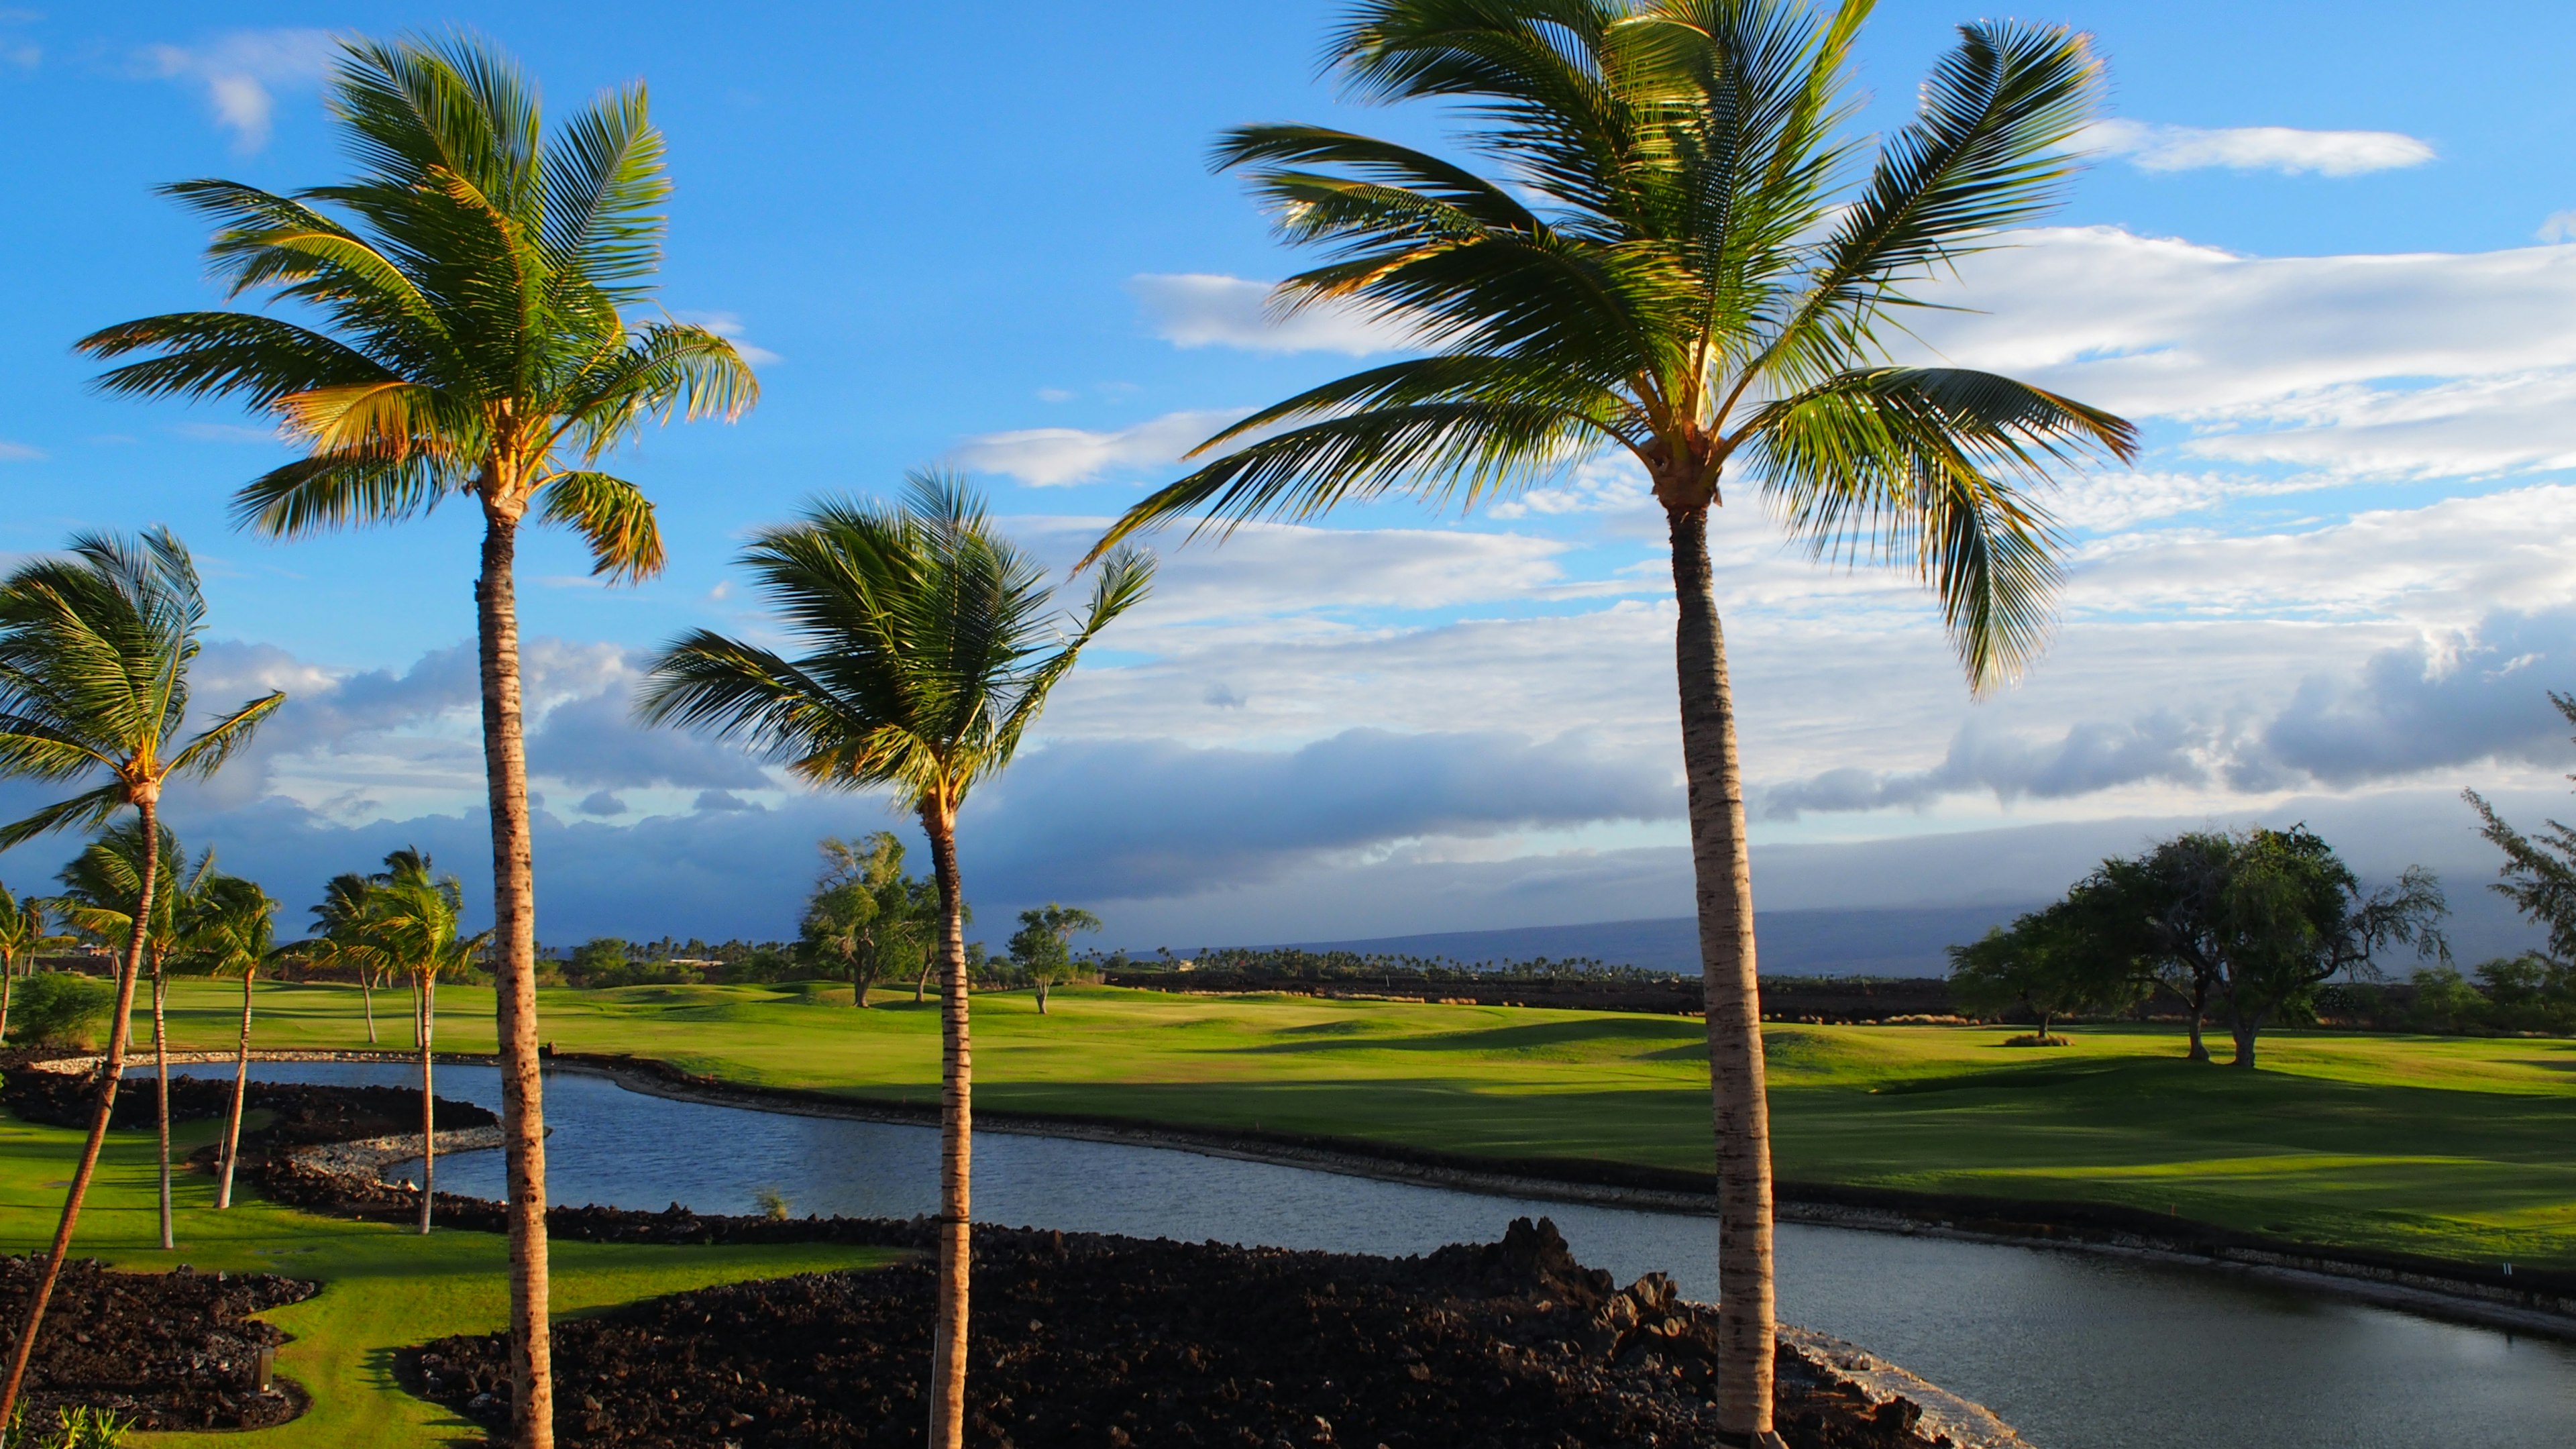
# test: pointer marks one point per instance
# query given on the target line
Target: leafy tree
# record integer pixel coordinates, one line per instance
(2165, 913)
(864, 919)
(2295, 917)
(233, 933)
(1671, 264)
(2043, 963)
(62, 1009)
(2539, 875)
(25, 929)
(1042, 945)
(600, 961)
(930, 645)
(476, 295)
(95, 651)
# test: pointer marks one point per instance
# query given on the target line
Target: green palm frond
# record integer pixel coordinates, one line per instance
(613, 515)
(929, 644)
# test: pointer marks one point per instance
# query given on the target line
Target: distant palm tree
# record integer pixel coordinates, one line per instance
(25, 929)
(412, 913)
(1674, 266)
(471, 289)
(99, 887)
(233, 933)
(95, 650)
(931, 644)
(340, 940)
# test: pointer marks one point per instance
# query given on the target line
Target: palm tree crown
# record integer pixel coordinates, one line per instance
(465, 292)
(1672, 265)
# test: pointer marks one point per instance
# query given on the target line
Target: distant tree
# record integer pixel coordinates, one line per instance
(26, 927)
(61, 1009)
(1042, 946)
(931, 644)
(600, 961)
(233, 933)
(2044, 963)
(864, 919)
(2539, 875)
(413, 915)
(342, 939)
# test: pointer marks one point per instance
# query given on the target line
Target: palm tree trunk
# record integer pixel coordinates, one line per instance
(428, 1105)
(117, 1033)
(1723, 871)
(514, 937)
(956, 1145)
(161, 1071)
(367, 994)
(241, 1089)
(8, 983)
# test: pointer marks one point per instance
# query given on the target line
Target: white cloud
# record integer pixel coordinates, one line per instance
(19, 452)
(728, 325)
(2152, 147)
(1053, 457)
(1202, 310)
(2558, 226)
(237, 71)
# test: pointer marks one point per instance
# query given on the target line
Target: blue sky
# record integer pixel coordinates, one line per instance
(2319, 260)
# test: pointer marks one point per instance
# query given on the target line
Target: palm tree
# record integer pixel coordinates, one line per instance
(94, 656)
(340, 938)
(99, 888)
(471, 290)
(930, 645)
(24, 931)
(412, 914)
(234, 932)
(1669, 261)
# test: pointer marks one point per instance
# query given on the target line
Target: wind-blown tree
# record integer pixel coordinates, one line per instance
(1041, 945)
(2539, 873)
(340, 939)
(26, 924)
(95, 649)
(1675, 251)
(861, 919)
(234, 933)
(100, 886)
(473, 330)
(412, 913)
(929, 644)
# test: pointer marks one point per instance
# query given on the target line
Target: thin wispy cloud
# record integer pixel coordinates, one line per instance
(1206, 310)
(1058, 457)
(18, 452)
(2559, 226)
(240, 73)
(728, 325)
(2285, 149)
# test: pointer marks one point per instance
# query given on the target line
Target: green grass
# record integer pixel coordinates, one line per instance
(384, 1287)
(2450, 1147)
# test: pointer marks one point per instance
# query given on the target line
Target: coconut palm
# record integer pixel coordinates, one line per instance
(930, 643)
(340, 939)
(412, 914)
(1668, 245)
(25, 929)
(95, 649)
(100, 886)
(469, 294)
(232, 932)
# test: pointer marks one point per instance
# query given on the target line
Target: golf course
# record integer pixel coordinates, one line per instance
(2445, 1147)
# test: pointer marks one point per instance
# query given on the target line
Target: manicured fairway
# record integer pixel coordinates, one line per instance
(2453, 1147)
(384, 1288)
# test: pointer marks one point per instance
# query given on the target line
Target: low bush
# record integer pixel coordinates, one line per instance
(59, 1009)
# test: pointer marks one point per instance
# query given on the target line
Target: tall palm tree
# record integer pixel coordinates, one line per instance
(930, 644)
(471, 290)
(1668, 245)
(413, 914)
(100, 886)
(233, 932)
(25, 928)
(340, 938)
(95, 649)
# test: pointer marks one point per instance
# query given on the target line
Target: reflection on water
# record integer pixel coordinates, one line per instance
(2078, 1351)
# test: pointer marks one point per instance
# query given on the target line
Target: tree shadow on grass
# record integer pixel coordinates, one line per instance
(1531, 1036)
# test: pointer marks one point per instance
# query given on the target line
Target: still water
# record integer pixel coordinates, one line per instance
(2075, 1350)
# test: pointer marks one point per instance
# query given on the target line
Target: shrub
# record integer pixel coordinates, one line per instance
(73, 1429)
(60, 1008)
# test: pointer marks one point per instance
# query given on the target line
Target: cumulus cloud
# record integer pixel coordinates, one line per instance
(2091, 756)
(1202, 310)
(2558, 226)
(237, 72)
(1055, 457)
(2151, 147)
(1131, 818)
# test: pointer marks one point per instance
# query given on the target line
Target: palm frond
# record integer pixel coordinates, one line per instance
(613, 516)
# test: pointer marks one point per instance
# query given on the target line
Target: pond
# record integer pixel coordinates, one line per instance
(2077, 1350)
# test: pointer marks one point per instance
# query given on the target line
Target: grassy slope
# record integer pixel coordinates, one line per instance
(385, 1288)
(2445, 1146)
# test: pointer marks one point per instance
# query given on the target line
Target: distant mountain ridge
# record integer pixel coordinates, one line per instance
(1892, 941)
